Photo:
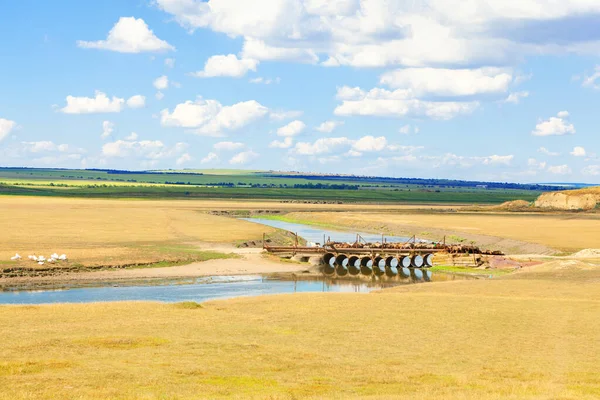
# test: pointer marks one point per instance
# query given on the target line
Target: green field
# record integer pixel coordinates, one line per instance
(234, 184)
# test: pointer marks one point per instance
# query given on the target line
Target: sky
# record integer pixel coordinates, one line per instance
(496, 90)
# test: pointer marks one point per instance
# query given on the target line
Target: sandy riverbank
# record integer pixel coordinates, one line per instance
(251, 262)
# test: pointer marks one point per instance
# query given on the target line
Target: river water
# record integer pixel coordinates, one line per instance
(201, 289)
(315, 234)
(215, 287)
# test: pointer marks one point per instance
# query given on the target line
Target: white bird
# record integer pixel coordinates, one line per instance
(63, 257)
(41, 263)
(55, 256)
(16, 257)
(33, 258)
(41, 258)
(52, 261)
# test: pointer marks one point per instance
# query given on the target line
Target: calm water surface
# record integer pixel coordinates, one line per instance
(315, 234)
(203, 289)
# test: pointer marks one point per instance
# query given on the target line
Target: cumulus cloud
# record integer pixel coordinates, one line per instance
(107, 129)
(322, 146)
(132, 136)
(560, 169)
(100, 103)
(555, 126)
(6, 127)
(184, 159)
(146, 149)
(407, 129)
(211, 118)
(228, 65)
(593, 170)
(286, 143)
(515, 97)
(161, 83)
(395, 33)
(283, 115)
(329, 126)
(370, 143)
(292, 129)
(448, 82)
(532, 162)
(137, 101)
(578, 151)
(591, 80)
(244, 157)
(169, 62)
(210, 158)
(398, 103)
(265, 81)
(228, 146)
(547, 152)
(129, 35)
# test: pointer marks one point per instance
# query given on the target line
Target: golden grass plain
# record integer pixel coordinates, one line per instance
(521, 338)
(566, 232)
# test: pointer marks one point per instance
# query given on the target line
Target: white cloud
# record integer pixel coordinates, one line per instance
(397, 103)
(228, 146)
(547, 152)
(555, 126)
(593, 170)
(107, 129)
(132, 136)
(590, 81)
(129, 35)
(169, 62)
(292, 129)
(228, 65)
(386, 33)
(448, 82)
(210, 158)
(370, 143)
(145, 149)
(161, 83)
(495, 159)
(265, 81)
(532, 162)
(329, 126)
(183, 159)
(408, 129)
(286, 143)
(101, 103)
(48, 146)
(211, 118)
(322, 146)
(6, 127)
(560, 169)
(137, 101)
(244, 157)
(578, 151)
(515, 97)
(259, 50)
(283, 115)
(159, 95)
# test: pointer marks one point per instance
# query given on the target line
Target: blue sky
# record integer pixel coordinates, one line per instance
(493, 90)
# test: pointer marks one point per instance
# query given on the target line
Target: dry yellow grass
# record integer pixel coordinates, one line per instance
(566, 232)
(99, 232)
(524, 338)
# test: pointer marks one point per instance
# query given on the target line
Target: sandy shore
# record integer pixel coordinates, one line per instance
(251, 262)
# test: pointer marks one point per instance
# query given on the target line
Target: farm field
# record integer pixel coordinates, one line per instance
(564, 232)
(234, 184)
(520, 337)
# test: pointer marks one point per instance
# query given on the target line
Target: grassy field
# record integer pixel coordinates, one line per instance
(113, 232)
(235, 184)
(521, 337)
(565, 232)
